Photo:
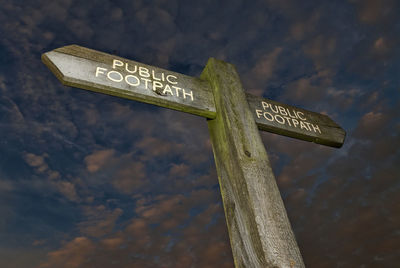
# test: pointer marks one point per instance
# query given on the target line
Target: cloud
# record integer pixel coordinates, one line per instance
(262, 71)
(374, 11)
(161, 209)
(80, 29)
(98, 159)
(100, 221)
(54, 178)
(154, 147)
(305, 25)
(9, 111)
(179, 170)
(371, 125)
(11, 258)
(293, 161)
(36, 161)
(74, 254)
(311, 91)
(130, 178)
(321, 48)
(67, 189)
(381, 45)
(304, 90)
(6, 186)
(164, 233)
(343, 98)
(112, 243)
(117, 13)
(125, 173)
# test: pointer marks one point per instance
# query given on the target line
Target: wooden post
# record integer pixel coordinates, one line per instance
(258, 226)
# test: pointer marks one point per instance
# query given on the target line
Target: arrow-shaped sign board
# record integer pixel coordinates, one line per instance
(97, 71)
(100, 72)
(295, 122)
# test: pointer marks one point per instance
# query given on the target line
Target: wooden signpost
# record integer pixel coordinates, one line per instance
(258, 226)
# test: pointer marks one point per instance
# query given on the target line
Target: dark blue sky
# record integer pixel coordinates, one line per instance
(88, 180)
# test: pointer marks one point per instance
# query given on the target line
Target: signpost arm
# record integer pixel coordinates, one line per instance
(258, 226)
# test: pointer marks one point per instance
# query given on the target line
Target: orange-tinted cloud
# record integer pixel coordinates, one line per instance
(180, 170)
(73, 254)
(147, 236)
(36, 161)
(98, 159)
(100, 220)
(371, 124)
(130, 177)
(262, 71)
(374, 11)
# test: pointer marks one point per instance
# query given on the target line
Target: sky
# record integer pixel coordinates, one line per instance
(89, 180)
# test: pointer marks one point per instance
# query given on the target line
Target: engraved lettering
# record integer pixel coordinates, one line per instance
(315, 128)
(117, 63)
(130, 71)
(265, 105)
(187, 94)
(154, 76)
(157, 85)
(302, 125)
(100, 70)
(176, 90)
(282, 110)
(281, 120)
(288, 120)
(295, 122)
(128, 80)
(170, 81)
(144, 72)
(168, 89)
(142, 77)
(272, 109)
(117, 77)
(146, 82)
(301, 116)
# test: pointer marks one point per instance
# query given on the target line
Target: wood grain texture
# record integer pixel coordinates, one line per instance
(76, 66)
(258, 226)
(329, 134)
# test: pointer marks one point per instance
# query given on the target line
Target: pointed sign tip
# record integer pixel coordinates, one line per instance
(46, 59)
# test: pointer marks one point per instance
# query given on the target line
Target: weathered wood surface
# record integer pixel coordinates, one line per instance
(259, 229)
(78, 67)
(295, 122)
(89, 69)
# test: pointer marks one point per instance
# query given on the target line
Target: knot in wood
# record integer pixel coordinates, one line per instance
(158, 91)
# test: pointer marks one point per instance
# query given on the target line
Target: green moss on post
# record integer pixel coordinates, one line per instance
(258, 226)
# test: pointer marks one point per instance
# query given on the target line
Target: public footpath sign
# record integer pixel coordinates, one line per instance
(258, 226)
(93, 70)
